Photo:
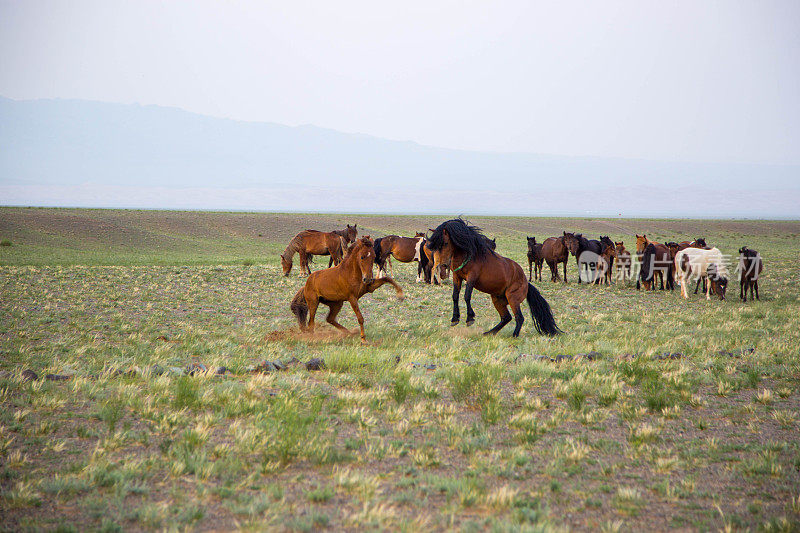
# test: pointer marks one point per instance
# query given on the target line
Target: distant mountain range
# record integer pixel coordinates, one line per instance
(82, 153)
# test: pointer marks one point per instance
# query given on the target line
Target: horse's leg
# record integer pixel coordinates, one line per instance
(331, 318)
(514, 301)
(742, 289)
(501, 304)
(708, 289)
(565, 270)
(359, 317)
(456, 293)
(304, 263)
(313, 302)
(553, 271)
(379, 282)
(579, 270)
(755, 284)
(530, 267)
(468, 300)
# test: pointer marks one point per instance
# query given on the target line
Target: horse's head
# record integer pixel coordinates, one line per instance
(419, 234)
(606, 240)
(572, 242)
(700, 242)
(620, 246)
(350, 233)
(531, 243)
(364, 254)
(672, 247)
(492, 243)
(641, 243)
(286, 264)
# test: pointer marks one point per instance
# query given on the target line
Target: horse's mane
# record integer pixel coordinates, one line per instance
(294, 245)
(465, 237)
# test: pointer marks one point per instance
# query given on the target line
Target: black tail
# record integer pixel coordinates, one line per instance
(379, 260)
(300, 308)
(540, 311)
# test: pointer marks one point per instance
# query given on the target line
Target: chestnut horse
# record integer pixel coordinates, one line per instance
(605, 263)
(404, 249)
(623, 261)
(312, 242)
(473, 261)
(535, 257)
(554, 251)
(434, 270)
(346, 282)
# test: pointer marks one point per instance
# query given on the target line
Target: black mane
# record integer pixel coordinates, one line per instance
(464, 237)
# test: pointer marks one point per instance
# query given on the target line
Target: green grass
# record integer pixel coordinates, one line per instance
(479, 442)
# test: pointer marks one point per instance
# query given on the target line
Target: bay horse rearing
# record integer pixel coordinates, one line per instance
(346, 282)
(473, 261)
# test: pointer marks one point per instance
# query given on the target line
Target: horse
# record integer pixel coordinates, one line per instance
(312, 242)
(749, 269)
(473, 261)
(554, 251)
(346, 282)
(606, 262)
(702, 263)
(535, 257)
(623, 261)
(436, 271)
(404, 249)
(348, 236)
(661, 263)
(586, 253)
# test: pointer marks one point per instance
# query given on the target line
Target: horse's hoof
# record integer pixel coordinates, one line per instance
(454, 322)
(470, 322)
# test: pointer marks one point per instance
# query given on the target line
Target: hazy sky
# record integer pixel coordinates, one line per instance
(694, 81)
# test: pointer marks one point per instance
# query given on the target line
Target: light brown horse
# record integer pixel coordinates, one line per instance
(404, 249)
(312, 242)
(439, 270)
(346, 282)
(555, 251)
(605, 263)
(624, 261)
(473, 261)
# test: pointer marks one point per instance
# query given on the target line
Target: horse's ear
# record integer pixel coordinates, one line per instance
(565, 234)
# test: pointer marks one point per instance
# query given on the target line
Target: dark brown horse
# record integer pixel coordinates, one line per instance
(404, 249)
(750, 268)
(661, 263)
(535, 257)
(473, 261)
(346, 282)
(554, 251)
(587, 254)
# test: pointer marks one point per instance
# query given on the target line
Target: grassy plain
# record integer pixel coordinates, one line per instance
(486, 440)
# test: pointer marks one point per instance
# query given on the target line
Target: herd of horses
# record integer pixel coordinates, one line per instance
(459, 250)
